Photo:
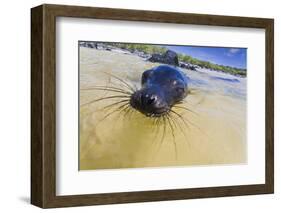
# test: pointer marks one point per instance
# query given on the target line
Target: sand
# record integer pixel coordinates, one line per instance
(215, 134)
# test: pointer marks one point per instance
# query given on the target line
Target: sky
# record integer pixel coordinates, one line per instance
(234, 57)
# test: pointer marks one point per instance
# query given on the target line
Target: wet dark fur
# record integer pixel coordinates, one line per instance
(161, 88)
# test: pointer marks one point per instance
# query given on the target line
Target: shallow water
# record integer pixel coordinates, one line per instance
(214, 134)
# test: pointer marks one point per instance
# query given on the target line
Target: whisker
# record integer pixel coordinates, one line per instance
(182, 119)
(156, 123)
(121, 80)
(111, 113)
(163, 134)
(123, 109)
(113, 87)
(193, 105)
(105, 98)
(185, 108)
(191, 123)
(173, 134)
(180, 127)
(127, 110)
(107, 89)
(113, 104)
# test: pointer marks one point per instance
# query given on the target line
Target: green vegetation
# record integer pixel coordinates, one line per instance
(146, 48)
(152, 49)
(212, 66)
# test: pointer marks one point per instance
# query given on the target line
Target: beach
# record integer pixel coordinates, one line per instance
(214, 132)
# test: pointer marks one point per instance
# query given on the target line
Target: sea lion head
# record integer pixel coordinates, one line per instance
(162, 87)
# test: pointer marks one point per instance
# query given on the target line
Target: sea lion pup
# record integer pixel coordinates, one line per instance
(161, 88)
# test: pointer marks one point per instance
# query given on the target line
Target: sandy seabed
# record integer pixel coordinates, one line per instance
(214, 134)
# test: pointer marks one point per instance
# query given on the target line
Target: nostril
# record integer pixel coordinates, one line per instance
(151, 100)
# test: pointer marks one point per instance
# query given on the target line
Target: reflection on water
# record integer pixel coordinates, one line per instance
(214, 134)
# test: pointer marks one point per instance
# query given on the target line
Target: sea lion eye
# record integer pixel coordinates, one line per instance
(145, 76)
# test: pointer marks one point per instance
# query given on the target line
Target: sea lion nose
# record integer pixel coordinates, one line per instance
(149, 99)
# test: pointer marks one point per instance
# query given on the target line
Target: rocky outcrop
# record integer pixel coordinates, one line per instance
(141, 54)
(188, 66)
(169, 57)
(88, 44)
(95, 45)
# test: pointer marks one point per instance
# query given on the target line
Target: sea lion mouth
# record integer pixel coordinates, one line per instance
(157, 114)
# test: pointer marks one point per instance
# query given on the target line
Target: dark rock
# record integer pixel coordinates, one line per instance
(82, 44)
(141, 54)
(157, 58)
(188, 66)
(169, 57)
(90, 45)
(183, 65)
(172, 58)
(191, 67)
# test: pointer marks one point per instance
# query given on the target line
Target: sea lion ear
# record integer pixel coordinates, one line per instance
(145, 76)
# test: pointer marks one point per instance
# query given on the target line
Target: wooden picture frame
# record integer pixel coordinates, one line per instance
(43, 105)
